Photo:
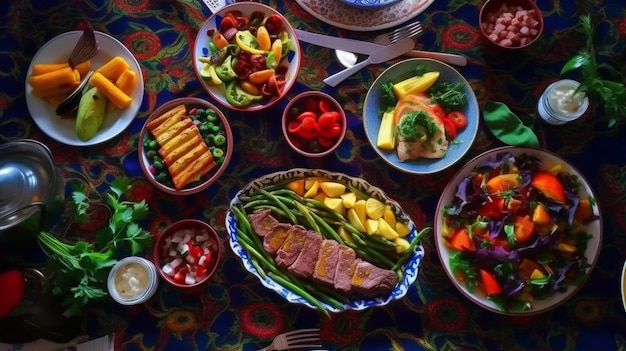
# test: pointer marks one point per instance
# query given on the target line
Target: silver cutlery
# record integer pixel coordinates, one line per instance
(385, 53)
(295, 339)
(214, 5)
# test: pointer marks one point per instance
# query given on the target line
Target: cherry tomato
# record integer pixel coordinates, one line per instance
(326, 120)
(325, 106)
(332, 132)
(257, 61)
(306, 114)
(438, 111)
(227, 23)
(308, 129)
(458, 118)
(450, 128)
(274, 24)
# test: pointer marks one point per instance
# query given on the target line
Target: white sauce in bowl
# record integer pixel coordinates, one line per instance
(131, 280)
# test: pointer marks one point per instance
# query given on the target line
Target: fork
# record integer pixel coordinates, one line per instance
(86, 47)
(295, 339)
(412, 30)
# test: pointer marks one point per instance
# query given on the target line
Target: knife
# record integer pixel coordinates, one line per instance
(367, 48)
(385, 53)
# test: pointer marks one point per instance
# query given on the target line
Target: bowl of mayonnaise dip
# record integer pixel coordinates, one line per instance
(133, 280)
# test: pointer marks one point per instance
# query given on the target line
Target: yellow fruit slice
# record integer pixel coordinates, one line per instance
(374, 208)
(333, 189)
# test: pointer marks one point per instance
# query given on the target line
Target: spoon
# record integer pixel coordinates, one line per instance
(70, 104)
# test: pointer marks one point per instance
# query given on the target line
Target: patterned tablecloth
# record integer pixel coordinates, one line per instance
(234, 311)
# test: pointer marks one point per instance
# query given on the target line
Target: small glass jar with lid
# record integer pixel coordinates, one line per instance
(133, 280)
(560, 103)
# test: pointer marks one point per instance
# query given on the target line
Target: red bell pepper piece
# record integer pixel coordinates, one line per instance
(12, 292)
(490, 283)
(549, 185)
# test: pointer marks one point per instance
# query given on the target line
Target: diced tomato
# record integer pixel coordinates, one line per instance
(179, 277)
(549, 185)
(227, 23)
(450, 128)
(461, 240)
(459, 119)
(524, 229)
(326, 120)
(503, 182)
(490, 283)
(438, 111)
(196, 252)
(493, 209)
(330, 133)
(201, 271)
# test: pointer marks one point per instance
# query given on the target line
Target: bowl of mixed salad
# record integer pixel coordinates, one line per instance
(518, 230)
(421, 116)
(246, 56)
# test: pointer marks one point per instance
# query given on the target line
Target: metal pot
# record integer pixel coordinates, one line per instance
(32, 191)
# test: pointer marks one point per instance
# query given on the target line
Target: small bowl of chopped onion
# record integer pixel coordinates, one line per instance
(187, 253)
(511, 24)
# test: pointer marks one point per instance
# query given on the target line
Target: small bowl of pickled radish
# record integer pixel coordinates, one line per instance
(187, 253)
(247, 56)
(132, 281)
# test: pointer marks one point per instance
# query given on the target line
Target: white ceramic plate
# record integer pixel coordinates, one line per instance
(548, 160)
(411, 266)
(372, 116)
(369, 4)
(342, 15)
(57, 50)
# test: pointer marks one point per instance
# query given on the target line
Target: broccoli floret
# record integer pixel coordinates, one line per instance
(415, 124)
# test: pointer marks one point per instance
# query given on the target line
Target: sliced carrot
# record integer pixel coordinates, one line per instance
(461, 240)
(503, 182)
(219, 41)
(53, 79)
(524, 229)
(297, 186)
(584, 210)
(490, 283)
(549, 185)
(108, 89)
(113, 68)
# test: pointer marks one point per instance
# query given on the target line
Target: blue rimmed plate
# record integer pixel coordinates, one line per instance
(369, 4)
(410, 267)
(372, 116)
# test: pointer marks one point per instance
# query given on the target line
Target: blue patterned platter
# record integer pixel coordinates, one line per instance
(369, 4)
(372, 116)
(410, 268)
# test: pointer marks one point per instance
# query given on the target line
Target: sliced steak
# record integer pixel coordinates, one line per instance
(346, 259)
(291, 247)
(326, 264)
(262, 222)
(371, 281)
(304, 264)
(275, 239)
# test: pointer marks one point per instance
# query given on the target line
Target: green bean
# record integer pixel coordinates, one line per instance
(280, 204)
(360, 193)
(258, 268)
(308, 217)
(406, 254)
(242, 220)
(255, 203)
(289, 285)
(324, 209)
(333, 233)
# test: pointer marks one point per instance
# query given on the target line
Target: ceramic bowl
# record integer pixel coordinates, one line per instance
(210, 122)
(372, 116)
(132, 281)
(267, 92)
(327, 136)
(510, 24)
(491, 250)
(623, 286)
(187, 253)
(409, 270)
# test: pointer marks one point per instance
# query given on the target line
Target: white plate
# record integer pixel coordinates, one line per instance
(411, 267)
(339, 14)
(57, 50)
(369, 4)
(548, 160)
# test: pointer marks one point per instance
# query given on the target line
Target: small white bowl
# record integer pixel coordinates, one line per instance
(132, 281)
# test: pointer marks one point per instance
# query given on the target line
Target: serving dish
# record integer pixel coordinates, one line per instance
(623, 286)
(57, 50)
(409, 271)
(349, 17)
(372, 115)
(263, 95)
(521, 23)
(518, 247)
(369, 4)
(160, 175)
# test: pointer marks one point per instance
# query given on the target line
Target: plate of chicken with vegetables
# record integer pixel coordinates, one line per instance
(421, 116)
(326, 240)
(518, 230)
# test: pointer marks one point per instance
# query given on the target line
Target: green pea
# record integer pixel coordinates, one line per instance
(151, 154)
(220, 140)
(158, 164)
(153, 145)
(211, 116)
(162, 177)
(217, 153)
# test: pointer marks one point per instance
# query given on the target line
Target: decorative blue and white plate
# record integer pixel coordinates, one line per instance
(410, 268)
(369, 4)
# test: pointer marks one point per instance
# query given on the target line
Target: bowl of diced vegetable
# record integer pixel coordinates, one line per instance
(314, 123)
(187, 253)
(510, 24)
(518, 230)
(326, 240)
(185, 145)
(421, 116)
(247, 56)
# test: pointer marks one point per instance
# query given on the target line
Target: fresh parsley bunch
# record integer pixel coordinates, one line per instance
(80, 271)
(612, 93)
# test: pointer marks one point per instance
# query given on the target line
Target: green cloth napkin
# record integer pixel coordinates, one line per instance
(507, 127)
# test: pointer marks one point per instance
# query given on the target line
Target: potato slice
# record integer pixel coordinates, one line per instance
(371, 226)
(359, 208)
(332, 189)
(401, 245)
(389, 216)
(402, 229)
(374, 208)
(385, 230)
(335, 204)
(349, 199)
(354, 219)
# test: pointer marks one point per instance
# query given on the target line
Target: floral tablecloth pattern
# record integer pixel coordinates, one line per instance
(234, 311)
